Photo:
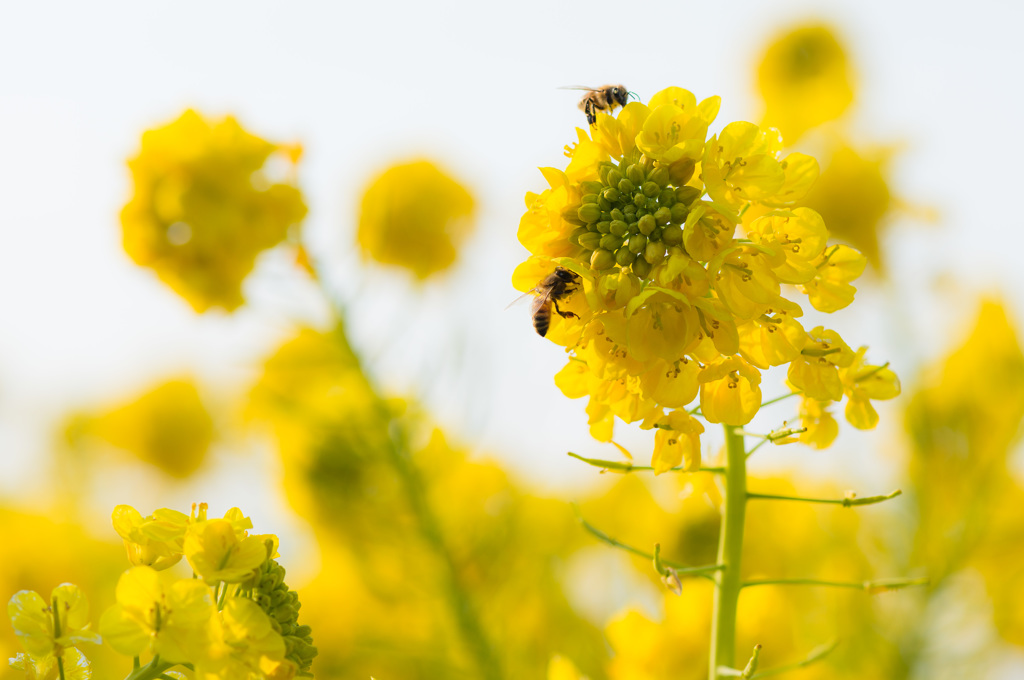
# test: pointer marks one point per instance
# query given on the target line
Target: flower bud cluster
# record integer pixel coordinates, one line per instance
(282, 605)
(683, 244)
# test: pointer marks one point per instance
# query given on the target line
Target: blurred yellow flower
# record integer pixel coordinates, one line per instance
(168, 427)
(853, 197)
(205, 207)
(75, 666)
(805, 80)
(415, 216)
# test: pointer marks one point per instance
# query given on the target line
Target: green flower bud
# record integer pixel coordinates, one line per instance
(625, 186)
(574, 237)
(611, 241)
(589, 212)
(660, 175)
(637, 243)
(611, 193)
(591, 187)
(617, 214)
(681, 171)
(654, 253)
(639, 200)
(672, 234)
(656, 234)
(629, 210)
(589, 198)
(614, 177)
(650, 189)
(647, 224)
(571, 216)
(634, 227)
(624, 257)
(663, 215)
(679, 213)
(647, 163)
(604, 203)
(590, 240)
(667, 197)
(635, 174)
(619, 228)
(604, 226)
(652, 204)
(602, 259)
(641, 267)
(687, 194)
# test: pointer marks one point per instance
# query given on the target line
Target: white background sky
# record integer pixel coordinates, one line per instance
(474, 86)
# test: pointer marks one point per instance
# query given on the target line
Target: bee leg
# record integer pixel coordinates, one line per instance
(589, 110)
(564, 315)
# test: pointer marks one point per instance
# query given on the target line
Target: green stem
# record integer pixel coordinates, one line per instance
(619, 466)
(730, 555)
(875, 586)
(57, 632)
(151, 671)
(816, 655)
(680, 569)
(466, 616)
(847, 502)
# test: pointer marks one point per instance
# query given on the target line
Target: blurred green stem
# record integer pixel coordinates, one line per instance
(730, 554)
(465, 613)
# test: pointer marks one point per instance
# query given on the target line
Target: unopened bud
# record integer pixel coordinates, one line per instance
(635, 174)
(603, 259)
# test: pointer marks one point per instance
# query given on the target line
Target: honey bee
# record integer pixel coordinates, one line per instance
(604, 98)
(556, 286)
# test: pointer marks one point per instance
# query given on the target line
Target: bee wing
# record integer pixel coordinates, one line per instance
(579, 87)
(522, 297)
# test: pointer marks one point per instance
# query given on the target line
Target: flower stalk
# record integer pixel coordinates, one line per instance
(730, 555)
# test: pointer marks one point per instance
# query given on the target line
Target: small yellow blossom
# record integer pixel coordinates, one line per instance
(75, 666)
(862, 383)
(46, 628)
(676, 441)
(821, 426)
(730, 391)
(168, 427)
(216, 553)
(160, 615)
(805, 80)
(815, 371)
(415, 216)
(830, 290)
(204, 208)
(156, 541)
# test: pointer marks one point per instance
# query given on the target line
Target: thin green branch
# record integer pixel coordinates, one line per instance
(618, 466)
(817, 654)
(849, 501)
(679, 568)
(874, 586)
(747, 672)
(778, 399)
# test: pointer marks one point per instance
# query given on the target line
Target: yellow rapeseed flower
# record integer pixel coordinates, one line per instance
(156, 541)
(805, 80)
(680, 296)
(217, 553)
(168, 427)
(204, 207)
(75, 666)
(158, 614)
(415, 216)
(47, 628)
(244, 646)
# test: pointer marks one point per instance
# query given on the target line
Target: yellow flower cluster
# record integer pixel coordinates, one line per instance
(683, 245)
(234, 619)
(414, 216)
(204, 207)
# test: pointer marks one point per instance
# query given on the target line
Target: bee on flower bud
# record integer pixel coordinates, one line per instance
(556, 286)
(604, 98)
